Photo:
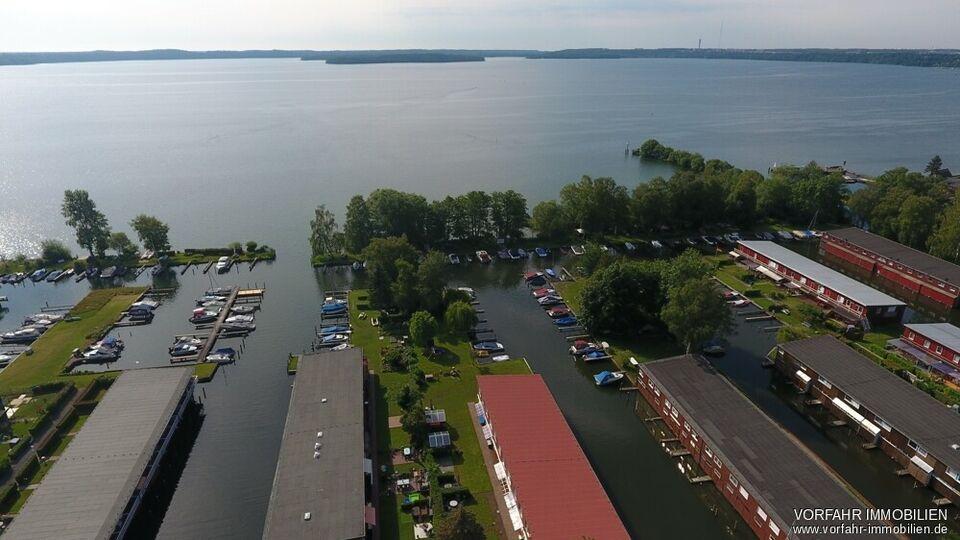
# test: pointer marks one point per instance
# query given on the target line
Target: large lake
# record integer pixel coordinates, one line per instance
(244, 150)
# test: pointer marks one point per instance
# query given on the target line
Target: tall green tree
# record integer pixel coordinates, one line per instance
(405, 290)
(385, 253)
(152, 232)
(685, 267)
(549, 220)
(651, 206)
(596, 205)
(121, 243)
(742, 199)
(423, 328)
(773, 198)
(622, 298)
(93, 231)
(459, 317)
(508, 213)
(431, 281)
(397, 213)
(475, 206)
(414, 422)
(945, 242)
(358, 225)
(918, 219)
(934, 166)
(696, 312)
(324, 234)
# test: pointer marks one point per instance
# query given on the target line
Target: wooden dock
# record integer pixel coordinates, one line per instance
(209, 266)
(186, 267)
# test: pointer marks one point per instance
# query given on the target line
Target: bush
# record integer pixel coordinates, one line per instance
(400, 358)
(18, 449)
(46, 388)
(54, 251)
(751, 293)
(208, 251)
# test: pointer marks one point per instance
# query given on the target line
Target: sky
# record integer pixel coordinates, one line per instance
(67, 25)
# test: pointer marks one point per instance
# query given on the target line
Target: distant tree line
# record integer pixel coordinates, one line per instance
(701, 192)
(900, 57)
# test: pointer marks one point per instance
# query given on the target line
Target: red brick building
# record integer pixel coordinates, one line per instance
(921, 434)
(761, 470)
(544, 477)
(939, 340)
(908, 268)
(846, 295)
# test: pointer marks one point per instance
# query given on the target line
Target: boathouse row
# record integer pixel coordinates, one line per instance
(921, 434)
(848, 296)
(939, 340)
(762, 471)
(914, 270)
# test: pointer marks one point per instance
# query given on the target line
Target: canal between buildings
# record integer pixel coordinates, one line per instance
(225, 486)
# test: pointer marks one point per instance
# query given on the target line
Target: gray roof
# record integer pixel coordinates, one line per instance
(901, 405)
(889, 249)
(945, 334)
(846, 286)
(330, 486)
(88, 487)
(768, 462)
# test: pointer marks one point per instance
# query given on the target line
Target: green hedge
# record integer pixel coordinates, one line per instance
(18, 449)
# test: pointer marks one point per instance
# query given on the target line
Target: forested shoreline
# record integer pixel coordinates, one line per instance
(914, 208)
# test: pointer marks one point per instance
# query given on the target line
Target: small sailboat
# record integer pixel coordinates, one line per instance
(569, 320)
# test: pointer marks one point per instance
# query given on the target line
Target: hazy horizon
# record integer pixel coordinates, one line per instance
(59, 25)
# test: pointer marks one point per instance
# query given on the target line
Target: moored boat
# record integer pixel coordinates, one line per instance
(224, 355)
(605, 378)
(569, 320)
(488, 346)
(483, 256)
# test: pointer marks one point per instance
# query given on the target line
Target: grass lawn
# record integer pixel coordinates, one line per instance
(451, 393)
(95, 313)
(204, 371)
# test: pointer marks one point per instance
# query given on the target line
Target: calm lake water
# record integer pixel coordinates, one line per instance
(244, 149)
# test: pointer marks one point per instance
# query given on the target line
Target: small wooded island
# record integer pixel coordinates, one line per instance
(395, 58)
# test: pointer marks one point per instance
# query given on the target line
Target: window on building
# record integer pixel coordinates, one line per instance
(926, 343)
(774, 530)
(656, 391)
(939, 349)
(708, 452)
(853, 403)
(917, 448)
(956, 358)
(732, 484)
(825, 382)
(953, 474)
(761, 517)
(911, 335)
(744, 494)
(882, 423)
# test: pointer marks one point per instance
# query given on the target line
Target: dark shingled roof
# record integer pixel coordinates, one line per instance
(889, 249)
(327, 397)
(906, 408)
(768, 462)
(84, 494)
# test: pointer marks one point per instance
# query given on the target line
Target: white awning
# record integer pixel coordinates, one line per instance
(735, 254)
(500, 470)
(921, 464)
(510, 499)
(803, 376)
(515, 519)
(770, 274)
(856, 417)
